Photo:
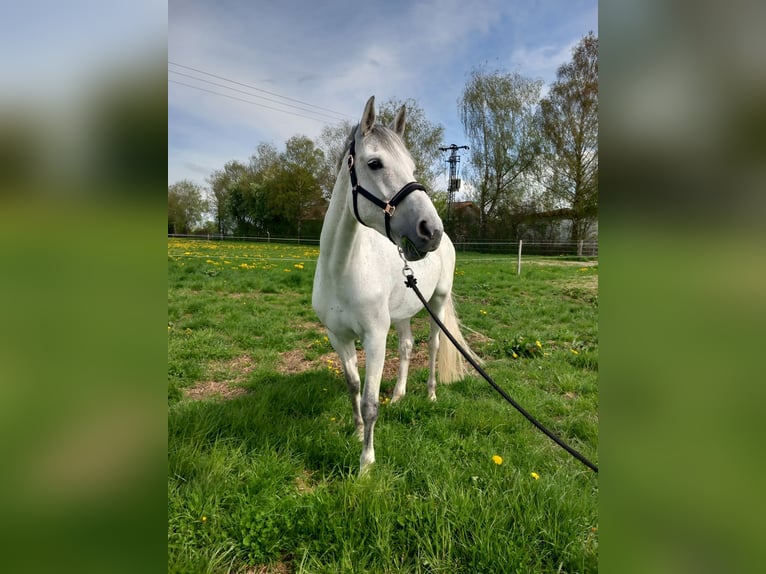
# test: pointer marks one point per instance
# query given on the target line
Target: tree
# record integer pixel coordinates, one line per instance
(332, 142)
(294, 185)
(498, 111)
(569, 121)
(230, 188)
(421, 136)
(186, 206)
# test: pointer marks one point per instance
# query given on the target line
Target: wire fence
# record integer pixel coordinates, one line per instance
(549, 248)
(553, 248)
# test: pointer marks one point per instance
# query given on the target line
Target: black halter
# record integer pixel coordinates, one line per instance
(388, 207)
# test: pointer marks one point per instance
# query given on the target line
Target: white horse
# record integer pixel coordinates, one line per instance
(377, 211)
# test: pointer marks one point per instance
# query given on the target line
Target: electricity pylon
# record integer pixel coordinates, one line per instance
(454, 180)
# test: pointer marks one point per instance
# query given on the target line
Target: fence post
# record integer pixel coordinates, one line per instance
(579, 248)
(518, 264)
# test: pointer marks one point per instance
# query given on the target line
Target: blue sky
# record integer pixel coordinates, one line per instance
(335, 55)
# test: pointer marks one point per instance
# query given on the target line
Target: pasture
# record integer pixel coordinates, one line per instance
(262, 458)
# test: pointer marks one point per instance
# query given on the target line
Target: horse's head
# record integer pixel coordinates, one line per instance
(385, 195)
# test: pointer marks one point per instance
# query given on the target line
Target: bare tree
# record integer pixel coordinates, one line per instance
(498, 111)
(569, 120)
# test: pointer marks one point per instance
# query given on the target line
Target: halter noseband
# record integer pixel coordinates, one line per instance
(388, 207)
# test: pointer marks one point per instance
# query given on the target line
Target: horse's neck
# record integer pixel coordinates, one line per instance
(340, 230)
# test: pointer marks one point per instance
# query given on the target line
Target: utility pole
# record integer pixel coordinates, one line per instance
(454, 181)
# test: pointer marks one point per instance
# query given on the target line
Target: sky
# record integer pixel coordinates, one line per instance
(243, 72)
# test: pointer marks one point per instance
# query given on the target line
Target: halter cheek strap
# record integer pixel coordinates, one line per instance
(388, 207)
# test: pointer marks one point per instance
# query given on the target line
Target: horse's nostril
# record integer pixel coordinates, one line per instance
(424, 230)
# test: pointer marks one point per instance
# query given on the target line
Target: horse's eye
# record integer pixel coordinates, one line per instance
(375, 164)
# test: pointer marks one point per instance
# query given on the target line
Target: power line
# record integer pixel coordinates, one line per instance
(258, 89)
(246, 101)
(253, 95)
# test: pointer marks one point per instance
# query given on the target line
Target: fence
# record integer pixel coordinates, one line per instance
(550, 248)
(253, 239)
(573, 248)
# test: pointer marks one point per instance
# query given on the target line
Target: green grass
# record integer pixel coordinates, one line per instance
(266, 481)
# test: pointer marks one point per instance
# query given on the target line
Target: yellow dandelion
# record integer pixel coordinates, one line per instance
(535, 476)
(204, 519)
(332, 418)
(482, 311)
(515, 356)
(497, 459)
(574, 351)
(539, 344)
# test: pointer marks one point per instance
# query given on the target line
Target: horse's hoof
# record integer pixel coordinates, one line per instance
(365, 465)
(432, 397)
(395, 398)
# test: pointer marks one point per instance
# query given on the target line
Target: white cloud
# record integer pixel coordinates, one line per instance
(334, 55)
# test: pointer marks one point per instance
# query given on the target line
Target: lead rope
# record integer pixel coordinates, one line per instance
(411, 282)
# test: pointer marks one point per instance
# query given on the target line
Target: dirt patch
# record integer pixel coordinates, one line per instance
(209, 389)
(226, 377)
(585, 282)
(294, 362)
(304, 483)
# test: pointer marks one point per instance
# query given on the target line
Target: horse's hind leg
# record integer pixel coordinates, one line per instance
(437, 305)
(346, 350)
(405, 352)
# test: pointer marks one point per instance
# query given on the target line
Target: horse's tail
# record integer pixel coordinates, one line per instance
(450, 366)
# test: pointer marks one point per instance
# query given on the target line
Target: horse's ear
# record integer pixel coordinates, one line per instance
(399, 122)
(368, 117)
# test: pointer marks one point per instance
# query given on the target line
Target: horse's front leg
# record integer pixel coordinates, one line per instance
(375, 351)
(346, 350)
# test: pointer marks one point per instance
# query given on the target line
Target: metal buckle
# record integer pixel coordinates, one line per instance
(389, 209)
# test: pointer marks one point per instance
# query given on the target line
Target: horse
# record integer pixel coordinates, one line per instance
(378, 220)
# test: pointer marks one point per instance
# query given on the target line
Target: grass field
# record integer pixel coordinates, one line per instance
(262, 461)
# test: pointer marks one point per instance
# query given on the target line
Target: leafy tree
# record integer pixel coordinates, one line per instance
(294, 185)
(186, 206)
(230, 196)
(498, 111)
(569, 120)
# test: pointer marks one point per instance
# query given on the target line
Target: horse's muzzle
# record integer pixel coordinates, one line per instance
(426, 240)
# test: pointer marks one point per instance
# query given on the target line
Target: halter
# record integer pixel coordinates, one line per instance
(388, 207)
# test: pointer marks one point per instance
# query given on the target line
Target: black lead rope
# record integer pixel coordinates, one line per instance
(411, 282)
